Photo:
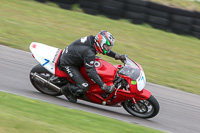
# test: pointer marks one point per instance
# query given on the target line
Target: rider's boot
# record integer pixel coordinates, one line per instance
(66, 91)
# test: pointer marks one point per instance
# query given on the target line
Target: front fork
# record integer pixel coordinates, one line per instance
(142, 95)
(136, 105)
(133, 100)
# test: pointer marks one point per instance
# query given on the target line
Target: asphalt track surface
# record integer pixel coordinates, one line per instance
(179, 111)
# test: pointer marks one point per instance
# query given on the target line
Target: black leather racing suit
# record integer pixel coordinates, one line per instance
(81, 52)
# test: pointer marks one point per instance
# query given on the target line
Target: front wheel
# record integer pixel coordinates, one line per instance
(143, 108)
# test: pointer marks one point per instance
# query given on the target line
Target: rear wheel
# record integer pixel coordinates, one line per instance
(42, 72)
(143, 108)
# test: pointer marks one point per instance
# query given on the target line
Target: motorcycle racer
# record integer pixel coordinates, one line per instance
(82, 52)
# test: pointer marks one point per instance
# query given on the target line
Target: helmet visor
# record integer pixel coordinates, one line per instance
(107, 45)
(107, 48)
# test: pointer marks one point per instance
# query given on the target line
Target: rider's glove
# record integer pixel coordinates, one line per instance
(120, 57)
(108, 89)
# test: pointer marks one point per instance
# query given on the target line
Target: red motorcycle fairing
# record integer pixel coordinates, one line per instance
(105, 70)
(112, 99)
(142, 95)
(107, 73)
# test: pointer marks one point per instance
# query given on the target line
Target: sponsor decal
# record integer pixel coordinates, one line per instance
(66, 49)
(69, 72)
(91, 64)
(97, 64)
(85, 84)
(133, 82)
(84, 39)
(143, 79)
(56, 55)
(34, 45)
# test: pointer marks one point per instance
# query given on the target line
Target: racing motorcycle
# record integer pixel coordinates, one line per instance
(129, 80)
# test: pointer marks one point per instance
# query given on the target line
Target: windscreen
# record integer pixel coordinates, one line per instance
(130, 69)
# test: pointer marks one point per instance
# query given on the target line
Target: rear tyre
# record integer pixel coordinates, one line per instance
(145, 109)
(39, 69)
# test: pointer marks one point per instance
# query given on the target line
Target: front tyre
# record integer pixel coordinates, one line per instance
(144, 108)
(39, 69)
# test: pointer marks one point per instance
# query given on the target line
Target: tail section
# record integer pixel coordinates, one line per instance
(45, 55)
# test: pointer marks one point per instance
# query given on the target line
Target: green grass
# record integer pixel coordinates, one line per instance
(23, 115)
(168, 59)
(192, 5)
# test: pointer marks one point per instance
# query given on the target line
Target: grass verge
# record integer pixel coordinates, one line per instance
(168, 59)
(23, 115)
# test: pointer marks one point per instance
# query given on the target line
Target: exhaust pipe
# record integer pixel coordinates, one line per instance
(46, 83)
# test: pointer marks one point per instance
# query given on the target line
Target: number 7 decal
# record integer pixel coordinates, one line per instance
(47, 61)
